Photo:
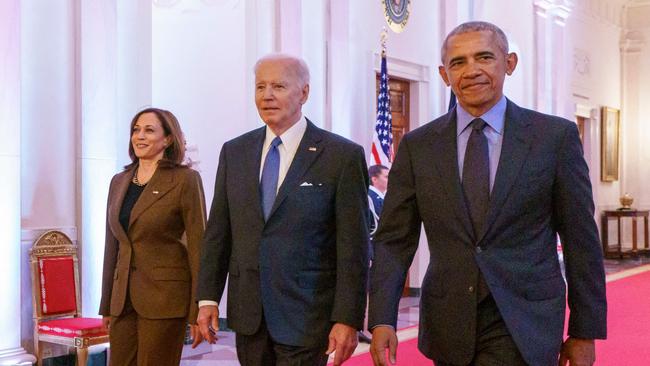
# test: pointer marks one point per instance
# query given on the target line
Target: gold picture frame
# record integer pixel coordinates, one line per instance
(610, 144)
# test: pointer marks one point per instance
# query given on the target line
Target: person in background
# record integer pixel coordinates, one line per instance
(288, 226)
(493, 184)
(154, 224)
(378, 185)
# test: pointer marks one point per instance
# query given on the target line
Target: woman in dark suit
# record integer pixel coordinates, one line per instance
(155, 221)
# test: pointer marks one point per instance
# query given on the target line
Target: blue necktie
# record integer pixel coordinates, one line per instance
(270, 174)
(476, 187)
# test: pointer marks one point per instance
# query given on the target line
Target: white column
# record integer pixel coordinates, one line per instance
(134, 64)
(632, 169)
(48, 128)
(313, 30)
(338, 67)
(549, 23)
(289, 25)
(11, 352)
(97, 45)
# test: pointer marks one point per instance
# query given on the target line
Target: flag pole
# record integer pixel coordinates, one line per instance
(381, 152)
(383, 36)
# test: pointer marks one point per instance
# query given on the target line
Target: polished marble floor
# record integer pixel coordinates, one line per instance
(223, 352)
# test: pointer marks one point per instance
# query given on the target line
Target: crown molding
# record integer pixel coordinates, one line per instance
(605, 11)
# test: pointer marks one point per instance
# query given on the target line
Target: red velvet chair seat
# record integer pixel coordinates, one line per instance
(72, 327)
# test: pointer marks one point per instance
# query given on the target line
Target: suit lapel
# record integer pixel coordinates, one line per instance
(161, 182)
(120, 187)
(444, 153)
(252, 164)
(514, 151)
(309, 149)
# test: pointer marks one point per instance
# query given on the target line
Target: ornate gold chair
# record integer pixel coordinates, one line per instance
(56, 299)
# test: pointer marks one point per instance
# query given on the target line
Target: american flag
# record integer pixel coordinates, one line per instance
(382, 137)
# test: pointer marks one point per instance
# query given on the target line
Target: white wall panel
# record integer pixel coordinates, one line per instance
(48, 114)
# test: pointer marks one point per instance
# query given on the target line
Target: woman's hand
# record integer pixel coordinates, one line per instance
(106, 323)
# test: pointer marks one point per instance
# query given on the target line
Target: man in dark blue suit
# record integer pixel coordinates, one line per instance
(378, 184)
(289, 227)
(493, 184)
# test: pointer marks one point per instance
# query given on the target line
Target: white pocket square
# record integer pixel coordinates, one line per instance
(306, 184)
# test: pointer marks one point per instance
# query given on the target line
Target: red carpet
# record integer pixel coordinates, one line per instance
(628, 325)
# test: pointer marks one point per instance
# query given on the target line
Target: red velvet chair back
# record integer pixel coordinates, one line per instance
(57, 285)
(55, 276)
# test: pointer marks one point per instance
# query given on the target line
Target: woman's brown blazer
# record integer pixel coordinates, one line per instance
(157, 261)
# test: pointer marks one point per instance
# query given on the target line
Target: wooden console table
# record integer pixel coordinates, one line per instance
(615, 250)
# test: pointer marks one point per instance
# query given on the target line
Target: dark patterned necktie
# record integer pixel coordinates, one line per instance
(476, 176)
(270, 175)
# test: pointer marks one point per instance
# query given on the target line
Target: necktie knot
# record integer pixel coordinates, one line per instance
(276, 142)
(478, 124)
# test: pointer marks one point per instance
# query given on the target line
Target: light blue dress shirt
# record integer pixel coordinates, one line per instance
(495, 119)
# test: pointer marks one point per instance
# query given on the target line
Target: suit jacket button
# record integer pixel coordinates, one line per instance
(471, 289)
(479, 249)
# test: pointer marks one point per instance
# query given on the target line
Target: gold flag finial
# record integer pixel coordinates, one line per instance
(383, 37)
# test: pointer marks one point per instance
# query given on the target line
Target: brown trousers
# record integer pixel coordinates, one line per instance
(138, 341)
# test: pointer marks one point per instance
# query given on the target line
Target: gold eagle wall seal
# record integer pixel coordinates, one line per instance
(397, 13)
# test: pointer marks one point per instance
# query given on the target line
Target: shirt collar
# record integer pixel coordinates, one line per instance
(379, 193)
(291, 137)
(495, 117)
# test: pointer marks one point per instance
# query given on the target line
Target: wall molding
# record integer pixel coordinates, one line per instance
(16, 356)
(632, 42)
(605, 11)
(402, 68)
(585, 111)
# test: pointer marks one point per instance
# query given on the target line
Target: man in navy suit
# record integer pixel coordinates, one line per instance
(493, 184)
(378, 184)
(288, 226)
